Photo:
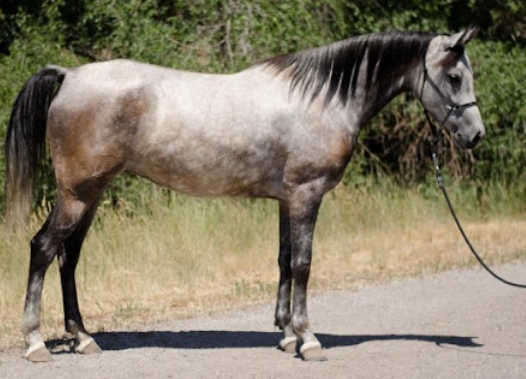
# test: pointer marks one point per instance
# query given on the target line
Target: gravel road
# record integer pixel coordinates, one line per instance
(460, 324)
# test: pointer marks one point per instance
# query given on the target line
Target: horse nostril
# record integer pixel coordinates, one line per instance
(478, 137)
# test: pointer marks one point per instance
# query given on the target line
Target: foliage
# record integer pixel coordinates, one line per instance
(229, 35)
(502, 91)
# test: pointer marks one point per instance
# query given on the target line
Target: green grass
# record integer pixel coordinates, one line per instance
(183, 256)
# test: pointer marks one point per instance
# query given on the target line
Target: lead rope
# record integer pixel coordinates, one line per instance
(440, 182)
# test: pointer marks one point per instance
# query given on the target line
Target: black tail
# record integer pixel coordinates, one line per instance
(25, 141)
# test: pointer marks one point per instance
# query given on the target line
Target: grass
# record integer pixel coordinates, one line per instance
(191, 256)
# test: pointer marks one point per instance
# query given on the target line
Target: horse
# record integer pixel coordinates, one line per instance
(284, 128)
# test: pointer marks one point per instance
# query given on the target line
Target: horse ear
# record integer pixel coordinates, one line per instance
(455, 46)
(462, 38)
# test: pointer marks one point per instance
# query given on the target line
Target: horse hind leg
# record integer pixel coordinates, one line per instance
(42, 253)
(60, 224)
(68, 259)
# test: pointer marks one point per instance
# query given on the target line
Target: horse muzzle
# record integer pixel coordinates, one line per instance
(469, 141)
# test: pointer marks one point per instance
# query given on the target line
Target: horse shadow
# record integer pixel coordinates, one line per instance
(219, 339)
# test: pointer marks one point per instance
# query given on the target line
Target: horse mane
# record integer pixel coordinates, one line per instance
(387, 55)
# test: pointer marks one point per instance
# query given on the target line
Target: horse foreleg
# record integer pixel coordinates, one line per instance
(68, 262)
(283, 316)
(303, 212)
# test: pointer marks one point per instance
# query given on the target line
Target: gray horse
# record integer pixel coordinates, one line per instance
(284, 129)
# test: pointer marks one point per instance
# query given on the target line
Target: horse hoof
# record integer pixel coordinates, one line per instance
(40, 354)
(288, 344)
(312, 351)
(89, 347)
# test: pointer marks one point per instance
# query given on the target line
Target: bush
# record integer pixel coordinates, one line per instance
(229, 35)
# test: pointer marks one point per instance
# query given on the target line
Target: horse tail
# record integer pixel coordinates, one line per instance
(25, 145)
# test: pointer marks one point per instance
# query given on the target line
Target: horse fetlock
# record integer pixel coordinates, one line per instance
(73, 328)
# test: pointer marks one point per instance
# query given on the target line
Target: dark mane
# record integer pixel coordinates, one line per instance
(338, 64)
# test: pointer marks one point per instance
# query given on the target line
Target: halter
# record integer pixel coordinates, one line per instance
(452, 105)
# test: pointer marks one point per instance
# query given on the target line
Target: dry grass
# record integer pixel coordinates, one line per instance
(196, 256)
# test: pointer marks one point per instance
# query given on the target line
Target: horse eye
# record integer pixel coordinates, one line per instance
(454, 79)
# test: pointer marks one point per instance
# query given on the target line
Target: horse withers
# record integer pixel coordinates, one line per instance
(284, 129)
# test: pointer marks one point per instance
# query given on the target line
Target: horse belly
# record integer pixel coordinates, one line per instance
(202, 167)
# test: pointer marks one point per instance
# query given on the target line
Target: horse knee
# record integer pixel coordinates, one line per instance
(285, 269)
(301, 266)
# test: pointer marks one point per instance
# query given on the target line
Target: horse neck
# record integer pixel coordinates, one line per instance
(400, 80)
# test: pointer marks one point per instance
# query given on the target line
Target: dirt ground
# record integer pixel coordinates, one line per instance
(460, 324)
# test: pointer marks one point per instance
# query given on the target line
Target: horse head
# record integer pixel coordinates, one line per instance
(447, 89)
